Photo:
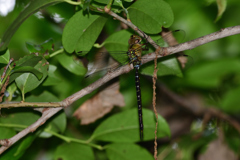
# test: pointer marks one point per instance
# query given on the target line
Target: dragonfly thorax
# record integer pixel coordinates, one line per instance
(134, 55)
(135, 51)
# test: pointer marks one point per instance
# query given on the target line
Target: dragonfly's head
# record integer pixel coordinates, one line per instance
(134, 39)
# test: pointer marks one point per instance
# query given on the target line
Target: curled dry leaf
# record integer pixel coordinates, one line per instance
(100, 104)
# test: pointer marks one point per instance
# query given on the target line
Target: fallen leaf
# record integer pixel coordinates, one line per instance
(100, 104)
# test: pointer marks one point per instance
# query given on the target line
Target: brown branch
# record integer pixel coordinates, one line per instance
(30, 104)
(130, 24)
(6, 68)
(47, 113)
(3, 89)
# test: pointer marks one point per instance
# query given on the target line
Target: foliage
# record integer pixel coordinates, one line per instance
(51, 65)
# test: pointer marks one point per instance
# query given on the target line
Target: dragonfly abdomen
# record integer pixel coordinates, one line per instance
(139, 101)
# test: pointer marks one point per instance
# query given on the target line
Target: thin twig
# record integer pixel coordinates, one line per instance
(5, 69)
(31, 104)
(154, 105)
(3, 89)
(48, 113)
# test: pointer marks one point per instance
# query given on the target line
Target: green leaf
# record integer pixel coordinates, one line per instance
(222, 4)
(118, 41)
(73, 66)
(119, 151)
(28, 60)
(40, 48)
(6, 132)
(27, 69)
(124, 127)
(5, 57)
(18, 149)
(81, 32)
(210, 74)
(115, 2)
(52, 79)
(166, 66)
(117, 45)
(31, 8)
(229, 102)
(11, 89)
(23, 119)
(44, 97)
(73, 151)
(151, 15)
(27, 81)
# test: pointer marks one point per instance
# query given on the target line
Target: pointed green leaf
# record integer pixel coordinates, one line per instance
(74, 66)
(44, 97)
(11, 89)
(128, 151)
(52, 79)
(73, 151)
(30, 69)
(117, 45)
(23, 119)
(18, 149)
(5, 57)
(28, 81)
(166, 66)
(124, 127)
(222, 4)
(118, 41)
(151, 15)
(31, 8)
(44, 47)
(81, 32)
(28, 60)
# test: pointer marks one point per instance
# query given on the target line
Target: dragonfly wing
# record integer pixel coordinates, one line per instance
(103, 63)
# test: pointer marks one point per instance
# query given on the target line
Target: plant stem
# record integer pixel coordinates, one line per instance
(56, 53)
(72, 2)
(65, 138)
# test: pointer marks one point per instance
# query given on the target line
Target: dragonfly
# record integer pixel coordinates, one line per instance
(134, 54)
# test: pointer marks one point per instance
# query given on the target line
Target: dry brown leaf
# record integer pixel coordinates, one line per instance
(100, 104)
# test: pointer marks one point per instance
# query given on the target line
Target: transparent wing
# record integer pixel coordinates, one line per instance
(106, 61)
